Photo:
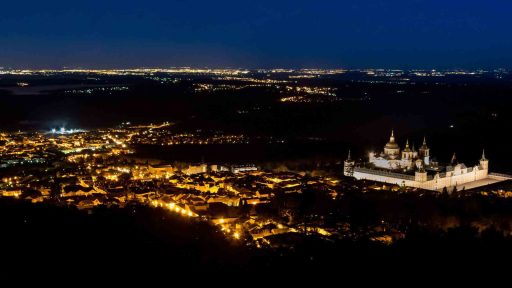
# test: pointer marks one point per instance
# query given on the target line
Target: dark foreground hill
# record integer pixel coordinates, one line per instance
(55, 243)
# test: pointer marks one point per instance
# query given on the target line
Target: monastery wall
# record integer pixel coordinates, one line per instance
(450, 179)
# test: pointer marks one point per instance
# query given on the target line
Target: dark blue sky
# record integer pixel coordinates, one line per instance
(278, 33)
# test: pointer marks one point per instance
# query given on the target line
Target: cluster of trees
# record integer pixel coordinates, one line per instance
(430, 210)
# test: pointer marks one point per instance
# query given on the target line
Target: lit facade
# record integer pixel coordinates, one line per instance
(408, 167)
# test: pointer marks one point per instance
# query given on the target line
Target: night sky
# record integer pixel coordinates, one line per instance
(256, 34)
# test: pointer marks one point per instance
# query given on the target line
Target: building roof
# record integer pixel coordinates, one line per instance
(391, 144)
(424, 146)
(407, 149)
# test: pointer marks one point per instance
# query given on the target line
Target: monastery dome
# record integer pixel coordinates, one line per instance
(391, 145)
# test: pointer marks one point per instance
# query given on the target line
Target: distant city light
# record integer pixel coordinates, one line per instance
(63, 130)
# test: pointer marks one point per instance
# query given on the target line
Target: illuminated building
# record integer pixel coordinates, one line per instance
(243, 168)
(348, 166)
(412, 168)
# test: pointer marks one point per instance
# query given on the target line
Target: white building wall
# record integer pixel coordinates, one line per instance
(391, 163)
(453, 178)
(380, 178)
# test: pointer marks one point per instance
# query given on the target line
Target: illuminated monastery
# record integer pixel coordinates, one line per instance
(408, 167)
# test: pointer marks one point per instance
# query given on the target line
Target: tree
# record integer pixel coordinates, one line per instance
(30, 193)
(455, 193)
(444, 193)
(55, 191)
(124, 178)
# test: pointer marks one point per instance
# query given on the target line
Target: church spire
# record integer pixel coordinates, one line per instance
(483, 154)
(392, 138)
(348, 158)
(407, 147)
(424, 148)
(454, 159)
